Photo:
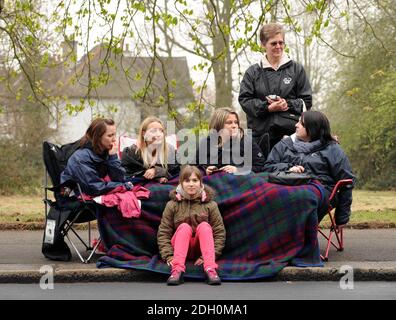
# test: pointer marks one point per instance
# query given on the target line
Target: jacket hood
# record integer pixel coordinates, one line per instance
(284, 61)
(289, 142)
(88, 145)
(208, 194)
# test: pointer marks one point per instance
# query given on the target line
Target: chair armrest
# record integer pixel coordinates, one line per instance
(339, 184)
(79, 190)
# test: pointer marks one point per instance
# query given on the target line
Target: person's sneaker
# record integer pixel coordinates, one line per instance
(212, 278)
(175, 278)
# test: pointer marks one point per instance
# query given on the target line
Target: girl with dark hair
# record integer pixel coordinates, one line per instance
(95, 159)
(317, 126)
(313, 149)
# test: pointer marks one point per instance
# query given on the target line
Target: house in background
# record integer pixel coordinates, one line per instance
(125, 77)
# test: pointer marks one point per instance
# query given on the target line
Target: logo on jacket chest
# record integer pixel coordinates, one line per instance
(287, 80)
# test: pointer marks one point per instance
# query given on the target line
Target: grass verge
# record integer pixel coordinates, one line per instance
(370, 209)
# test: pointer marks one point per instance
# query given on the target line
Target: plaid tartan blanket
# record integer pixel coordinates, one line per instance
(268, 227)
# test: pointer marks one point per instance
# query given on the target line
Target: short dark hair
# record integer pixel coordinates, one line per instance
(94, 133)
(317, 126)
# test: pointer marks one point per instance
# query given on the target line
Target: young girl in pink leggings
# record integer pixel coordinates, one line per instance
(191, 228)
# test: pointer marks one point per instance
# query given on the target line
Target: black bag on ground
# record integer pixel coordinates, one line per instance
(289, 178)
(54, 246)
(60, 215)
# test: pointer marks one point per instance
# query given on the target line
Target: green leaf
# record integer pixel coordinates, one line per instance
(310, 8)
(44, 59)
(29, 39)
(139, 6)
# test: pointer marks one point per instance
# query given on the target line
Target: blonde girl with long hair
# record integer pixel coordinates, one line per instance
(151, 157)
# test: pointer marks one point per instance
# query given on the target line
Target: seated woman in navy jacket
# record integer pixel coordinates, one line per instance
(95, 160)
(227, 148)
(313, 149)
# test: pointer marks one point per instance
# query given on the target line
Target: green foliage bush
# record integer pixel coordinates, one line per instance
(21, 168)
(362, 107)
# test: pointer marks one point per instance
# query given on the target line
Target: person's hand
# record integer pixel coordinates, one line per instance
(277, 105)
(114, 149)
(271, 101)
(149, 174)
(169, 261)
(210, 170)
(163, 180)
(199, 262)
(229, 169)
(128, 185)
(297, 169)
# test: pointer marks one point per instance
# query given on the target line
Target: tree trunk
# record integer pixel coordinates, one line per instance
(223, 76)
(222, 64)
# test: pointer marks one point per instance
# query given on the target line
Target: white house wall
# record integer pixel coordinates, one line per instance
(127, 118)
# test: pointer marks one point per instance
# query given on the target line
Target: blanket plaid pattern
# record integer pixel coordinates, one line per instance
(268, 227)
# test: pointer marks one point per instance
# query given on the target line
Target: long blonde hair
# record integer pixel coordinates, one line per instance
(161, 155)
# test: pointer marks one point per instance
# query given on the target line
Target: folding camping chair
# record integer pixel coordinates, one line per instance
(71, 211)
(334, 229)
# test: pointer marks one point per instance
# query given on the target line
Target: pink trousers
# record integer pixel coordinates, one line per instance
(186, 246)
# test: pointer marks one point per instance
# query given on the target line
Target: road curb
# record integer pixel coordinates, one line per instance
(335, 274)
(122, 275)
(39, 226)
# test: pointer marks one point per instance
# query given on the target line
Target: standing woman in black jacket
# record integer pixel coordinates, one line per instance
(274, 90)
(312, 149)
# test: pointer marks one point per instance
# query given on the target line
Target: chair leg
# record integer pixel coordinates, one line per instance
(329, 242)
(339, 246)
(75, 248)
(93, 250)
(340, 238)
(89, 236)
(87, 247)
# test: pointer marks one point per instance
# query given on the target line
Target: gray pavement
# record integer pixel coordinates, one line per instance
(371, 254)
(195, 292)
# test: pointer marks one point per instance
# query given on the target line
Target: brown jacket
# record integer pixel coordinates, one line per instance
(193, 212)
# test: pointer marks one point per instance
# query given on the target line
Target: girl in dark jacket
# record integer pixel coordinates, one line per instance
(152, 157)
(312, 149)
(227, 148)
(277, 86)
(95, 159)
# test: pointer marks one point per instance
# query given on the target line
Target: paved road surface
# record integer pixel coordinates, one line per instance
(24, 247)
(200, 291)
